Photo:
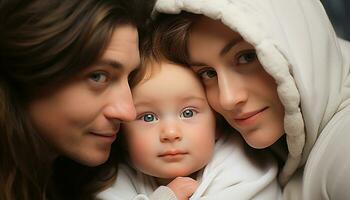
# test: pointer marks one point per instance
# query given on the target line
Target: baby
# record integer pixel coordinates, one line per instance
(174, 150)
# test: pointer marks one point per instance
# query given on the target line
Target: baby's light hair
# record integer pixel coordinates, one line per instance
(167, 42)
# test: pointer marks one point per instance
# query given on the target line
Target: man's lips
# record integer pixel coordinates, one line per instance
(108, 132)
(104, 134)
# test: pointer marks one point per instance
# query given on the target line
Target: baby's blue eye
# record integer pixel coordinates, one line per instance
(207, 74)
(98, 77)
(188, 113)
(149, 118)
(247, 57)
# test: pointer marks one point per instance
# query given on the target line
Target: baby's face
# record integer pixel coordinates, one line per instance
(174, 133)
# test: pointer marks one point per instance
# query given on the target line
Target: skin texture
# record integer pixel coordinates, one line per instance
(174, 132)
(236, 84)
(81, 117)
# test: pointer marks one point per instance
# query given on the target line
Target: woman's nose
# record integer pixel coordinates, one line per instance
(232, 91)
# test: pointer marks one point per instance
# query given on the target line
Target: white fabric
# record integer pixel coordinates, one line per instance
(297, 46)
(235, 172)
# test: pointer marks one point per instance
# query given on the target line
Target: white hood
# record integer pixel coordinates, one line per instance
(297, 46)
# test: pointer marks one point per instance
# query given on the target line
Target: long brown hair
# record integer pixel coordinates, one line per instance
(42, 43)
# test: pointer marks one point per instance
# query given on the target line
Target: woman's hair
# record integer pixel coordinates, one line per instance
(43, 43)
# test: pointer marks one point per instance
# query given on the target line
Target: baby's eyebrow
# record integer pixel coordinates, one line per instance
(143, 103)
(197, 98)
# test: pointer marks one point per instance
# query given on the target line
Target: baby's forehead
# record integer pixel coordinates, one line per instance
(155, 68)
(176, 73)
(172, 80)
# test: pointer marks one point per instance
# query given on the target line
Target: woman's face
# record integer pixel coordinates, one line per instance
(236, 84)
(80, 118)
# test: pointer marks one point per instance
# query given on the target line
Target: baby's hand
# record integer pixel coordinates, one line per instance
(183, 187)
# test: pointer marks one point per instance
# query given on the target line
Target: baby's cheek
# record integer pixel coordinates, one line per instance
(140, 153)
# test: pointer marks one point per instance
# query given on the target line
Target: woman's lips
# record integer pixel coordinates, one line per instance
(249, 118)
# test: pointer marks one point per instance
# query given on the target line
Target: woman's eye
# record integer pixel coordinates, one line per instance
(247, 57)
(148, 118)
(207, 74)
(188, 113)
(99, 77)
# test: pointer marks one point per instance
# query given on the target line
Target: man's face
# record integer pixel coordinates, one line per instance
(80, 118)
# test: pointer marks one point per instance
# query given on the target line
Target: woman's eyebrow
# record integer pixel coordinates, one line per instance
(230, 45)
(233, 42)
(196, 64)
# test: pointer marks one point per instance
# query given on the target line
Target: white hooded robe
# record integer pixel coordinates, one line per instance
(298, 47)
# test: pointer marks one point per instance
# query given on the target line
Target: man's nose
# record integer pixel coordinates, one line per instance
(120, 104)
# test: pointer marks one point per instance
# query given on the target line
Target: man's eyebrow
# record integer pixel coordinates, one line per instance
(109, 62)
(230, 45)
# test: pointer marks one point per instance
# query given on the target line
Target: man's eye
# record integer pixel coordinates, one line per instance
(148, 118)
(247, 57)
(99, 77)
(207, 74)
(188, 113)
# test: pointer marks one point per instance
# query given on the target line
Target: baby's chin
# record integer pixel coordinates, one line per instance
(171, 173)
(165, 179)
